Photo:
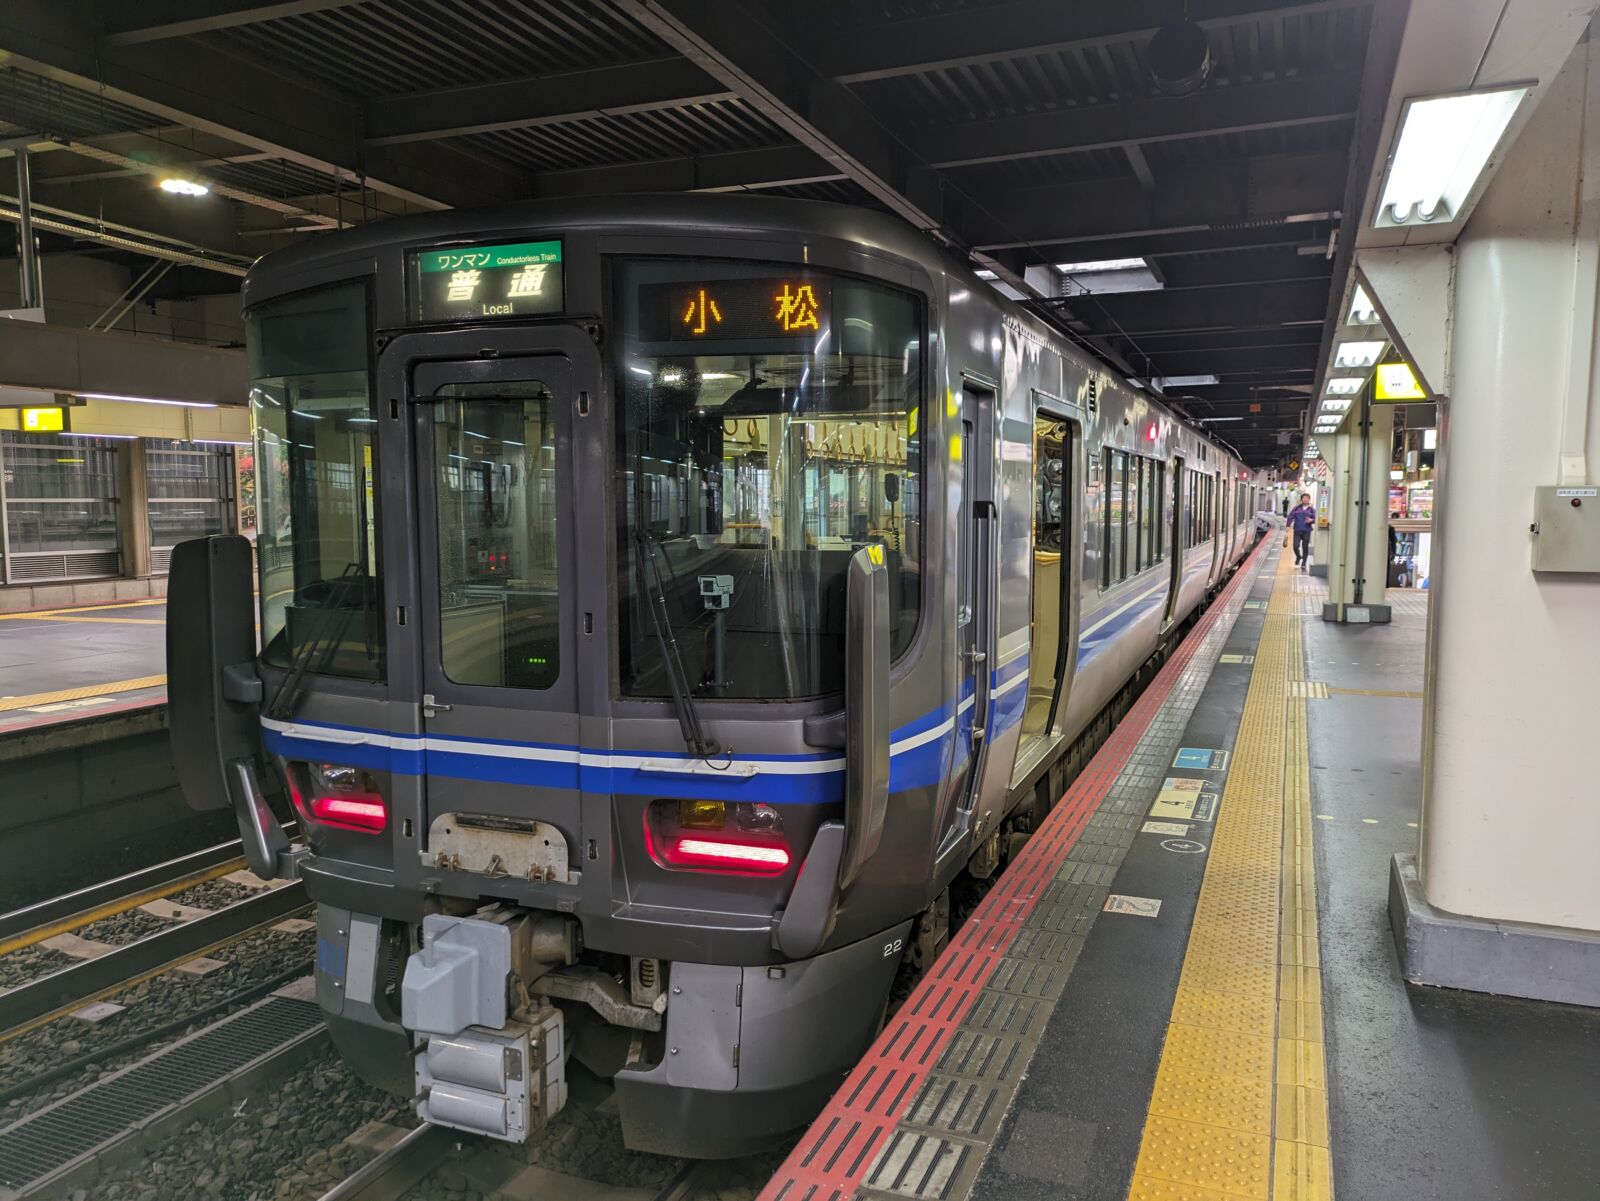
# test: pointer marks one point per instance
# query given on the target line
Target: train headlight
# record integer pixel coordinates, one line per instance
(337, 795)
(713, 836)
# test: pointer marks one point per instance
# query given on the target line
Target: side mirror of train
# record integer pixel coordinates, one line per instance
(866, 709)
(213, 692)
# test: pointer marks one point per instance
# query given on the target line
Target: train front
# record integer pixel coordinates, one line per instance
(584, 562)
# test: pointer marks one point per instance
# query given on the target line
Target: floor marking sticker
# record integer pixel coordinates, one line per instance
(1179, 828)
(1252, 604)
(1183, 846)
(1201, 757)
(1185, 798)
(1133, 906)
(1236, 658)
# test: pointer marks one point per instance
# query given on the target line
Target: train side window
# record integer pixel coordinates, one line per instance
(1116, 516)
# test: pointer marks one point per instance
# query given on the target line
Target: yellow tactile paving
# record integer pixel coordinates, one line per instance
(9, 703)
(1240, 1104)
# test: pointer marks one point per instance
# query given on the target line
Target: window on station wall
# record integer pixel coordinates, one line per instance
(190, 486)
(61, 516)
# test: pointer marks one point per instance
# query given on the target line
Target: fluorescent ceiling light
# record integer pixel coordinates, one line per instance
(1443, 145)
(1335, 404)
(219, 442)
(1209, 420)
(1184, 381)
(1347, 386)
(985, 273)
(1362, 310)
(1357, 354)
(1096, 266)
(145, 400)
(118, 437)
(183, 187)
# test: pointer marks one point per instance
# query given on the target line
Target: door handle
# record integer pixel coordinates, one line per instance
(431, 707)
(978, 657)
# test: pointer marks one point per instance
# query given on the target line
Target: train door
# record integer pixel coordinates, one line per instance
(500, 592)
(978, 571)
(1057, 567)
(1175, 541)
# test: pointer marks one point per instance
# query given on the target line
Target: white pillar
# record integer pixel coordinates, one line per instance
(1510, 827)
(1358, 546)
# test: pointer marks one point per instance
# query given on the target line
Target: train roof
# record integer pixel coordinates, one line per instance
(686, 212)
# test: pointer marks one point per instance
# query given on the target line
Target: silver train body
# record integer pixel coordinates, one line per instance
(519, 867)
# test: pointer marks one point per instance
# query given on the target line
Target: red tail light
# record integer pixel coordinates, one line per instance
(710, 836)
(331, 794)
(718, 853)
(367, 814)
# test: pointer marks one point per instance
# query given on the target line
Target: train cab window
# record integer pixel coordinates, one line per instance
(496, 489)
(316, 467)
(767, 429)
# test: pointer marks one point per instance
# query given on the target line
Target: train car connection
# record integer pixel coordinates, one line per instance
(662, 600)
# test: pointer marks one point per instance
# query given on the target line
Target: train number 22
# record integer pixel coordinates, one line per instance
(893, 948)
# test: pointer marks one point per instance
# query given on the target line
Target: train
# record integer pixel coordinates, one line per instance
(663, 601)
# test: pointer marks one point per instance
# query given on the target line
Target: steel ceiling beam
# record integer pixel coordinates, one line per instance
(1212, 112)
(238, 100)
(1208, 197)
(993, 33)
(732, 45)
(541, 100)
(156, 20)
(729, 171)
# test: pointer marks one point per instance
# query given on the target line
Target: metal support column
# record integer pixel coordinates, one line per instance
(27, 250)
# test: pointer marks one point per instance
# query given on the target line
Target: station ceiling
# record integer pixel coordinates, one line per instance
(1023, 133)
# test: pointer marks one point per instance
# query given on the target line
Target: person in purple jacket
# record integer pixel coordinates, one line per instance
(1301, 518)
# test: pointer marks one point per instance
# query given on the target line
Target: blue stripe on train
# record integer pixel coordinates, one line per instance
(912, 767)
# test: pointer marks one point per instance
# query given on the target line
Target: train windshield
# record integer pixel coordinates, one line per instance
(311, 404)
(767, 428)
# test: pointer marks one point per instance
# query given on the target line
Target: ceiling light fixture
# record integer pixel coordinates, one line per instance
(1345, 386)
(1440, 154)
(1362, 310)
(1357, 354)
(1095, 266)
(145, 400)
(176, 186)
(1336, 404)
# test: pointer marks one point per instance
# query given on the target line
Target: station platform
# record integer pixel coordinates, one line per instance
(64, 665)
(1185, 986)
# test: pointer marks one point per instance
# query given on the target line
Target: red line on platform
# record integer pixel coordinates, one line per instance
(833, 1155)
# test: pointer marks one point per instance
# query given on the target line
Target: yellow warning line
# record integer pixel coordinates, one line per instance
(127, 621)
(79, 694)
(1239, 1107)
(136, 604)
(1410, 696)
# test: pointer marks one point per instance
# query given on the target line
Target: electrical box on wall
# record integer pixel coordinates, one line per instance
(1566, 529)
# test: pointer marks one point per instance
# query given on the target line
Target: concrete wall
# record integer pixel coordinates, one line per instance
(1511, 818)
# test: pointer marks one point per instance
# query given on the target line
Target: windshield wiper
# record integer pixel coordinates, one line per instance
(694, 737)
(321, 646)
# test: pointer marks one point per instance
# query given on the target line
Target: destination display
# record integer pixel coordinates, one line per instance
(471, 283)
(780, 306)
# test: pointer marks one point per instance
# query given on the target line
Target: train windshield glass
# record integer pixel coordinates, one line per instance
(311, 403)
(767, 428)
